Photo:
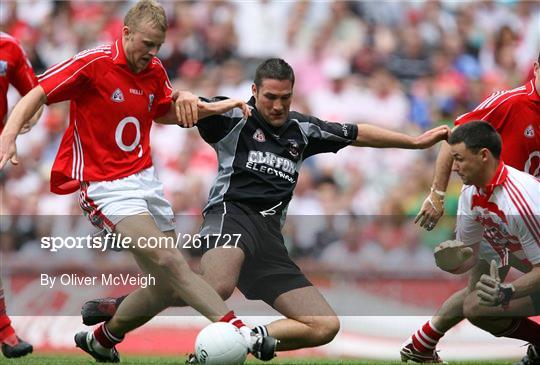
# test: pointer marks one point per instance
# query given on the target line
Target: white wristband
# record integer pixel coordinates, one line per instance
(438, 192)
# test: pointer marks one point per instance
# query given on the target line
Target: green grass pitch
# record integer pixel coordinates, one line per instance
(37, 359)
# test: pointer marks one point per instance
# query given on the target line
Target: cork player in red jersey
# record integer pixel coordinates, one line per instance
(16, 70)
(116, 91)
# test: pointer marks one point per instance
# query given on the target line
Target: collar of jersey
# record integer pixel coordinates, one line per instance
(533, 94)
(498, 179)
(118, 55)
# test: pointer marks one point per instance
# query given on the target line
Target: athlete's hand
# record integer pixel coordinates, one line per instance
(246, 109)
(8, 151)
(222, 106)
(429, 138)
(432, 210)
(186, 105)
(491, 292)
(451, 255)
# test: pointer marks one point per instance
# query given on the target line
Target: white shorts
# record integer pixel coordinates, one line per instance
(106, 203)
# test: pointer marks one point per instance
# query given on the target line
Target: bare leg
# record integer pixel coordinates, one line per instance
(174, 281)
(310, 320)
(451, 311)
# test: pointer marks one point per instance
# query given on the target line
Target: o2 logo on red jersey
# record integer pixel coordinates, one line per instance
(120, 131)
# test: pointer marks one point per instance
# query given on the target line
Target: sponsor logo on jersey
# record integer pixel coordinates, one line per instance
(3, 68)
(271, 164)
(259, 135)
(150, 101)
(117, 96)
(293, 147)
(529, 131)
(136, 91)
(345, 130)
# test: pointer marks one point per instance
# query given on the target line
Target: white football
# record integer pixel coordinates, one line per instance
(220, 343)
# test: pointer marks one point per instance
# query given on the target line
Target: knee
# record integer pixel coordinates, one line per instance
(224, 290)
(473, 311)
(325, 329)
(170, 261)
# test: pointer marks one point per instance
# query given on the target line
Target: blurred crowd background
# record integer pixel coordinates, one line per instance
(409, 66)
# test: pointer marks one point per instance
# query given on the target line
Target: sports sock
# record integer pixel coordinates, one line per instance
(522, 329)
(233, 319)
(426, 338)
(7, 333)
(105, 338)
(238, 323)
(261, 330)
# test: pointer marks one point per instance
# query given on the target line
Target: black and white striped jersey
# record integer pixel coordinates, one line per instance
(258, 163)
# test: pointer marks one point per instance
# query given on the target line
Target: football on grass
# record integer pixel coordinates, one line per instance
(220, 344)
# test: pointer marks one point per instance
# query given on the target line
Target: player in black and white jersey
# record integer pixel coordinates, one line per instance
(259, 160)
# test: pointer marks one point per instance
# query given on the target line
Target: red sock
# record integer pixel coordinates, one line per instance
(232, 319)
(426, 338)
(105, 338)
(7, 333)
(522, 329)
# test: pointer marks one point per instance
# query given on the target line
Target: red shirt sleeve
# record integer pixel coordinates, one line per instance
(163, 97)
(22, 76)
(69, 79)
(492, 110)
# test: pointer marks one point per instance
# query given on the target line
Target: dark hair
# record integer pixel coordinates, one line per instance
(477, 135)
(538, 60)
(273, 68)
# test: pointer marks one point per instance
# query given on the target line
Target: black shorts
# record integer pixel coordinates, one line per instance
(268, 271)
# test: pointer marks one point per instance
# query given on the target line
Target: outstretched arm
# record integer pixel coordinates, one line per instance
(433, 206)
(372, 136)
(187, 109)
(25, 109)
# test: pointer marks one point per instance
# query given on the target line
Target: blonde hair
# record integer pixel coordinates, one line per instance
(146, 10)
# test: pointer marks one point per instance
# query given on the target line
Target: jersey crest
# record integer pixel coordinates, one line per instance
(529, 131)
(150, 101)
(293, 147)
(259, 135)
(3, 68)
(117, 96)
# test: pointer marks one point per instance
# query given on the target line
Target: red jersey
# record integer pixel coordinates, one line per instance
(515, 114)
(111, 114)
(15, 69)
